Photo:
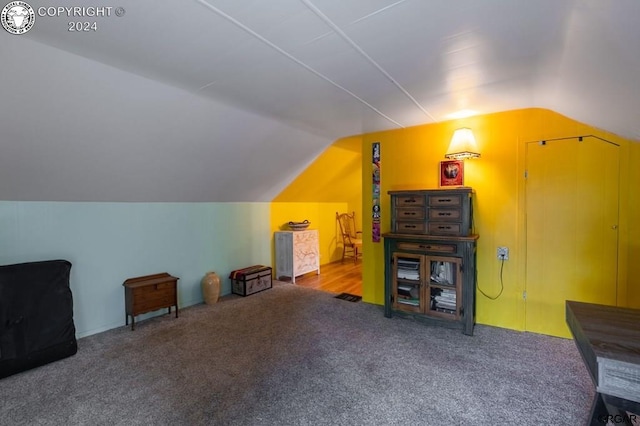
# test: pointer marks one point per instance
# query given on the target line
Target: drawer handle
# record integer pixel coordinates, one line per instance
(410, 214)
(425, 247)
(444, 200)
(409, 226)
(444, 214)
(410, 200)
(444, 227)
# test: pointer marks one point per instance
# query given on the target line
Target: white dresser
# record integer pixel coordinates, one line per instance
(297, 252)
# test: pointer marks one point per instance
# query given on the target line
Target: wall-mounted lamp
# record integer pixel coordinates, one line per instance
(463, 145)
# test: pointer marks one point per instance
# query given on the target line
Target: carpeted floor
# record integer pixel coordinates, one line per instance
(298, 356)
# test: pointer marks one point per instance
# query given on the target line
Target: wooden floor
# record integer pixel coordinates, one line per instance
(335, 277)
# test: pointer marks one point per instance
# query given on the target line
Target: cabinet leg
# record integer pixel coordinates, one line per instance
(176, 311)
(387, 312)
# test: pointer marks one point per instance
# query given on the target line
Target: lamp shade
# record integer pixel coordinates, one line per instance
(463, 145)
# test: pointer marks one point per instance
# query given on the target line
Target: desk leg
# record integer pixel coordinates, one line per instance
(598, 413)
(603, 413)
(133, 321)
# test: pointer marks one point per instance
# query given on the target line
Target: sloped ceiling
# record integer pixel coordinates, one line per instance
(227, 100)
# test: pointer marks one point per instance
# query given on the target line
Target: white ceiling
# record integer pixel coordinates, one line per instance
(227, 100)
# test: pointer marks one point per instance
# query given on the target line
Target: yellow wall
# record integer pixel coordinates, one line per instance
(410, 160)
(322, 217)
(332, 183)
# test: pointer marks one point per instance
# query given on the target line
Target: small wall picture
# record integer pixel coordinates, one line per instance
(452, 173)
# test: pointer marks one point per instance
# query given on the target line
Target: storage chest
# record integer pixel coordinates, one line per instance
(250, 280)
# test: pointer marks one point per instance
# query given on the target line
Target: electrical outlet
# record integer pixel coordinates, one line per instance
(503, 253)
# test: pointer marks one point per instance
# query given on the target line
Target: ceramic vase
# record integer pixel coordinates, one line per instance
(211, 288)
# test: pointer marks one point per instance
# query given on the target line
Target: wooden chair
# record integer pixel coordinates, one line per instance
(351, 239)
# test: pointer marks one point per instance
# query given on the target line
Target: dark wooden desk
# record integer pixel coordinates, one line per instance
(149, 293)
(608, 339)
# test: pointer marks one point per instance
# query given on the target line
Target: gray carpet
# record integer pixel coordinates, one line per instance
(297, 356)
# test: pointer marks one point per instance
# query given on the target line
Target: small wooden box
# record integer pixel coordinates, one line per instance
(251, 280)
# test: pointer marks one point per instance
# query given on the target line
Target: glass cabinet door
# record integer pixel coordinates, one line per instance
(407, 288)
(444, 287)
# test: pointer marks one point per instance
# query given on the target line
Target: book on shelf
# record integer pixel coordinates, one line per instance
(408, 275)
(404, 290)
(409, 264)
(445, 305)
(444, 299)
(408, 269)
(412, 302)
(442, 273)
(444, 292)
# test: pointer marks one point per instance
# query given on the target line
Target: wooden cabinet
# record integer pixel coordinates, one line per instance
(149, 293)
(427, 284)
(431, 278)
(431, 211)
(297, 253)
(430, 257)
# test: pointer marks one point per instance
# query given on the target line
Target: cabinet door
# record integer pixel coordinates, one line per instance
(444, 291)
(305, 251)
(407, 282)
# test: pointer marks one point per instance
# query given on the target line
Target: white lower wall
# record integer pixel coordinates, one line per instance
(110, 242)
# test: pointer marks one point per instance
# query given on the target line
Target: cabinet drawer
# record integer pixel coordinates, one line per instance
(410, 200)
(445, 214)
(436, 228)
(438, 248)
(417, 214)
(151, 290)
(150, 301)
(411, 227)
(445, 200)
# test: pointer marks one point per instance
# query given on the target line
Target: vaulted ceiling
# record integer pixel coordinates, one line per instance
(227, 100)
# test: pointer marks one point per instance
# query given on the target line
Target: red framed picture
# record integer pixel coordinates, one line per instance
(452, 173)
